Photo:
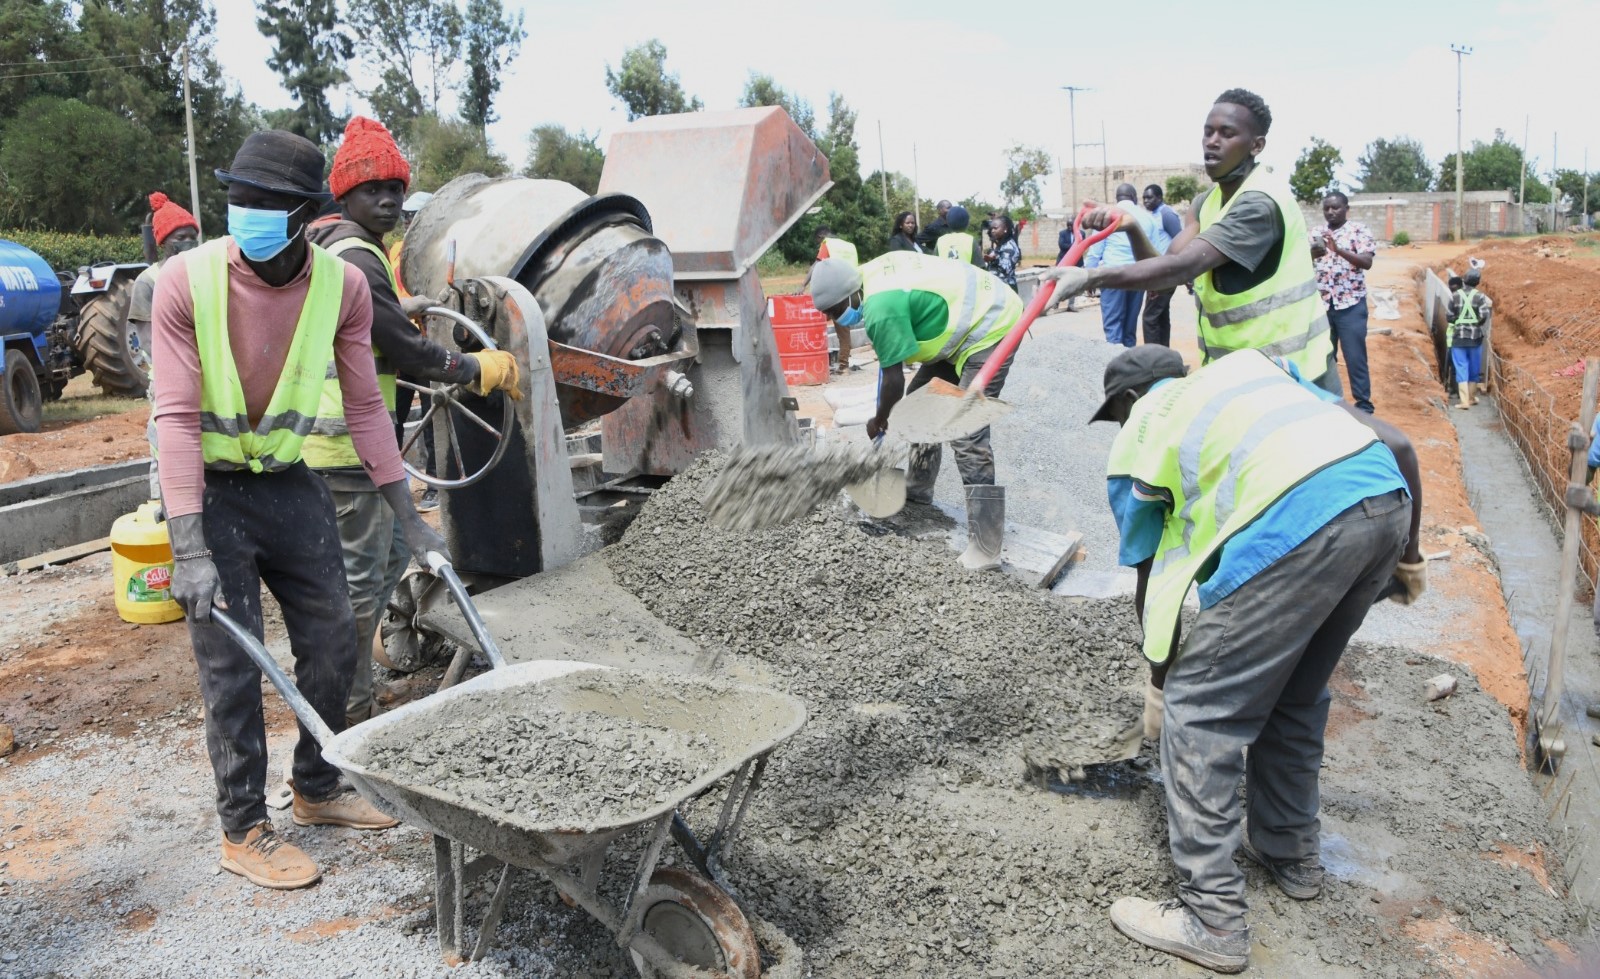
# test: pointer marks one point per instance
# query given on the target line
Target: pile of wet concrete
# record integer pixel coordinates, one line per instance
(900, 834)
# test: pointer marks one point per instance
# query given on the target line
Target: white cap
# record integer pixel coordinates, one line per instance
(416, 202)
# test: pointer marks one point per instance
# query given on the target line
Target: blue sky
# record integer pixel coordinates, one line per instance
(962, 81)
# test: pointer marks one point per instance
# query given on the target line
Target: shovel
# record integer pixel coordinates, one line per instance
(940, 411)
(884, 493)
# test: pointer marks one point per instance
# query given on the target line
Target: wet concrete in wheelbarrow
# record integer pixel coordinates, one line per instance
(899, 832)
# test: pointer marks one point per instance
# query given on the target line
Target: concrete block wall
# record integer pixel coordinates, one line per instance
(1430, 216)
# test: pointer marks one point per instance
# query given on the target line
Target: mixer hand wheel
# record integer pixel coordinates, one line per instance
(439, 394)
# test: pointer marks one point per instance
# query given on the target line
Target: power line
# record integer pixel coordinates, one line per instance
(72, 61)
(76, 71)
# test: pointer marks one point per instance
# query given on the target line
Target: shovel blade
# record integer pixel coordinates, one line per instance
(882, 495)
(940, 412)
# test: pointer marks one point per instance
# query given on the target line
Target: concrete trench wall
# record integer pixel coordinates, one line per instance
(47, 512)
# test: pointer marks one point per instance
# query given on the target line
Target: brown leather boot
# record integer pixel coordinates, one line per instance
(345, 808)
(269, 860)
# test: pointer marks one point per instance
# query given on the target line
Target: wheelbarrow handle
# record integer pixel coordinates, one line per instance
(458, 591)
(286, 689)
(1041, 298)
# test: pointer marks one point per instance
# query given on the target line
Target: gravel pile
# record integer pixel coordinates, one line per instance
(519, 752)
(773, 485)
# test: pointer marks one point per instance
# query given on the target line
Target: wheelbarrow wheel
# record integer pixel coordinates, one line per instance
(699, 924)
(404, 647)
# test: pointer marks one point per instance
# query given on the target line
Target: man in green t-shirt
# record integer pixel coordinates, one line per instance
(946, 316)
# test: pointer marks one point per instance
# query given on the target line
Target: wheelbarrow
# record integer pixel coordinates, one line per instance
(677, 924)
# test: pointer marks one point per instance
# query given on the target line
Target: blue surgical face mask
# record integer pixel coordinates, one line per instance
(850, 317)
(260, 234)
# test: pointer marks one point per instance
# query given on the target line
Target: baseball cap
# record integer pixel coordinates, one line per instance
(1141, 365)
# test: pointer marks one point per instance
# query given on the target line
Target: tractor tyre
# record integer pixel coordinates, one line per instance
(106, 344)
(21, 401)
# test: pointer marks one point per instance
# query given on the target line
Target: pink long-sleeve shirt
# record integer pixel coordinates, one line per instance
(261, 322)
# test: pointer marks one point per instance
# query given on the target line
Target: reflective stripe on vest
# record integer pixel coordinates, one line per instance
(226, 438)
(957, 245)
(1226, 442)
(981, 308)
(1282, 316)
(839, 248)
(329, 445)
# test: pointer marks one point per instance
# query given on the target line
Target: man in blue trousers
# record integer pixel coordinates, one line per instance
(1119, 308)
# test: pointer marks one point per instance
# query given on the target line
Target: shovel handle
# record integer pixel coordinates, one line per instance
(458, 591)
(1041, 298)
(286, 689)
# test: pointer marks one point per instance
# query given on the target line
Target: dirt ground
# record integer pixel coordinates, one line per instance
(81, 687)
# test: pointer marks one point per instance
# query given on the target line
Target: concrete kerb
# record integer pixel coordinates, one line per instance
(49, 512)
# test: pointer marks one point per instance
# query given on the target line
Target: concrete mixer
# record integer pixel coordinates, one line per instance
(637, 317)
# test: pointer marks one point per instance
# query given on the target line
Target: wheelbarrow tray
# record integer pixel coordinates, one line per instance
(742, 721)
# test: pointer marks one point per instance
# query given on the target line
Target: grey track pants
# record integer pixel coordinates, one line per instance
(1253, 673)
(275, 529)
(375, 555)
(974, 454)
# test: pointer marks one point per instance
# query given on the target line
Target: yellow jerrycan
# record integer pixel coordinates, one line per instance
(141, 564)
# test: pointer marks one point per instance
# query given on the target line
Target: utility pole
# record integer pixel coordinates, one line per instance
(1555, 144)
(883, 170)
(1522, 183)
(1459, 49)
(1583, 219)
(188, 121)
(1105, 168)
(1072, 136)
(916, 188)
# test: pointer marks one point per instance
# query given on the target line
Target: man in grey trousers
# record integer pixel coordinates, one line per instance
(1292, 512)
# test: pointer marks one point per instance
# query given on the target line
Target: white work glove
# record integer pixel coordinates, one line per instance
(1155, 705)
(415, 306)
(1069, 281)
(1415, 579)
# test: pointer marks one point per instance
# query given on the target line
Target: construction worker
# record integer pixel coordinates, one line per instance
(1292, 511)
(957, 243)
(404, 395)
(175, 231)
(1242, 244)
(931, 232)
(829, 246)
(946, 316)
(1468, 313)
(369, 178)
(244, 328)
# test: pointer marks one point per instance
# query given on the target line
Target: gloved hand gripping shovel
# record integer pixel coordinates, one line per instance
(941, 411)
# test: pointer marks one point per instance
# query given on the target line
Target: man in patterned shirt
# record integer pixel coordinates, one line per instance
(1343, 252)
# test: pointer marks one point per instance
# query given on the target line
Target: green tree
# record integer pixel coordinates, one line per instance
(1182, 187)
(83, 182)
(442, 149)
(1495, 165)
(1313, 172)
(555, 154)
(760, 89)
(311, 51)
(413, 46)
(1395, 166)
(853, 208)
(492, 40)
(32, 35)
(643, 85)
(1570, 187)
(1020, 188)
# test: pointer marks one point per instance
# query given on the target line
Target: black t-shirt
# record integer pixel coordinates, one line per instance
(1250, 235)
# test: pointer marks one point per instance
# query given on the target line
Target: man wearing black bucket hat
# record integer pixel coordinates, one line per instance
(1292, 511)
(245, 328)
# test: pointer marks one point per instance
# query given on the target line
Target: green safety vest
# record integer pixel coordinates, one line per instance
(329, 446)
(982, 308)
(957, 245)
(1281, 317)
(1226, 442)
(1467, 319)
(839, 248)
(226, 438)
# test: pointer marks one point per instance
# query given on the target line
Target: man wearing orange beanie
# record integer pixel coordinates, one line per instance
(176, 231)
(369, 179)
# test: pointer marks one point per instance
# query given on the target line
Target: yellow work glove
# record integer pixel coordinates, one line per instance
(1414, 577)
(1155, 706)
(497, 371)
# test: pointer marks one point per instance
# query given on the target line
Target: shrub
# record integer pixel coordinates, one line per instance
(1401, 238)
(66, 252)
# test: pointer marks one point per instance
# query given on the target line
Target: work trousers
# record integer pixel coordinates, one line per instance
(375, 556)
(974, 454)
(1468, 363)
(1349, 329)
(1119, 315)
(1157, 317)
(1253, 673)
(276, 529)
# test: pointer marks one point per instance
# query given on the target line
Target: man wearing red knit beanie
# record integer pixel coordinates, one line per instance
(176, 231)
(369, 179)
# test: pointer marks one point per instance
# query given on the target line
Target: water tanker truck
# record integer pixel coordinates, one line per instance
(57, 325)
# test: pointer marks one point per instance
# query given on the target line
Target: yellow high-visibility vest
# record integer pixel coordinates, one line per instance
(839, 248)
(1226, 442)
(227, 441)
(957, 245)
(981, 307)
(329, 446)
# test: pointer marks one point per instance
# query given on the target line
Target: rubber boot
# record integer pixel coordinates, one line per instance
(1472, 394)
(921, 471)
(1462, 403)
(986, 527)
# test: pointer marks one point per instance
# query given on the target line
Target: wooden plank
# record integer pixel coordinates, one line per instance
(60, 555)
